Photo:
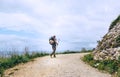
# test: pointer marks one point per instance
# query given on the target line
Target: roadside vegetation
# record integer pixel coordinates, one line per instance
(111, 66)
(68, 52)
(83, 50)
(14, 59)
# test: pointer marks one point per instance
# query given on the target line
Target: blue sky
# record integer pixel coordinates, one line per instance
(76, 23)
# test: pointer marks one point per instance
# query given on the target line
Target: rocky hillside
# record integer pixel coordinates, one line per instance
(109, 46)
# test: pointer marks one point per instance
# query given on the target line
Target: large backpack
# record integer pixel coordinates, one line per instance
(51, 41)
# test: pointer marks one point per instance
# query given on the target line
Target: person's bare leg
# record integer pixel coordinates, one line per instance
(54, 52)
(51, 53)
(53, 48)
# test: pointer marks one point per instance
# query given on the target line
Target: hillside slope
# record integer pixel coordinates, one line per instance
(109, 46)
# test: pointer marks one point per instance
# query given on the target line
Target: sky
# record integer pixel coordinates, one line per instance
(76, 23)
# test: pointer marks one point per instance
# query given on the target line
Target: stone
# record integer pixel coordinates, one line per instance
(108, 48)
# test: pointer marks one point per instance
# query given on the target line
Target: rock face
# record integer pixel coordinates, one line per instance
(109, 46)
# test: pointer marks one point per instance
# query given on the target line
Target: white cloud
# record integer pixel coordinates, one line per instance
(71, 21)
(14, 21)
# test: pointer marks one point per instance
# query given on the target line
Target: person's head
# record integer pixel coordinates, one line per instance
(54, 36)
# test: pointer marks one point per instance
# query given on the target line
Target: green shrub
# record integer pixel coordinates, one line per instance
(118, 72)
(110, 66)
(9, 62)
(118, 39)
(1, 72)
(101, 66)
(27, 55)
(119, 59)
(114, 22)
(88, 58)
(34, 55)
(23, 59)
(92, 63)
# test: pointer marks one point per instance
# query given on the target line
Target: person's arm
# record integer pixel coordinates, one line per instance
(56, 41)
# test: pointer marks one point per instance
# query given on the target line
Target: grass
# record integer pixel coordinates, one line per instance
(111, 66)
(14, 59)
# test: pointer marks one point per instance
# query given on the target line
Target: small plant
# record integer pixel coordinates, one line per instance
(101, 66)
(111, 66)
(119, 59)
(1, 72)
(88, 58)
(118, 72)
(118, 39)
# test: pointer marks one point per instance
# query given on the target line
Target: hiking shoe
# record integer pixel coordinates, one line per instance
(54, 56)
(51, 55)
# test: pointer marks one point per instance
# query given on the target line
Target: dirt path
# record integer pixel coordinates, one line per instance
(66, 65)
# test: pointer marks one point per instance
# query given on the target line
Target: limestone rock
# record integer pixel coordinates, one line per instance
(109, 46)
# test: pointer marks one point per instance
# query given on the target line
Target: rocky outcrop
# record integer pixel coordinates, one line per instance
(109, 46)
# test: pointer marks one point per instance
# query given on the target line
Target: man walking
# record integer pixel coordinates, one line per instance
(53, 42)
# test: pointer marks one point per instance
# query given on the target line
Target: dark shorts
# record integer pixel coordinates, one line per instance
(54, 46)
